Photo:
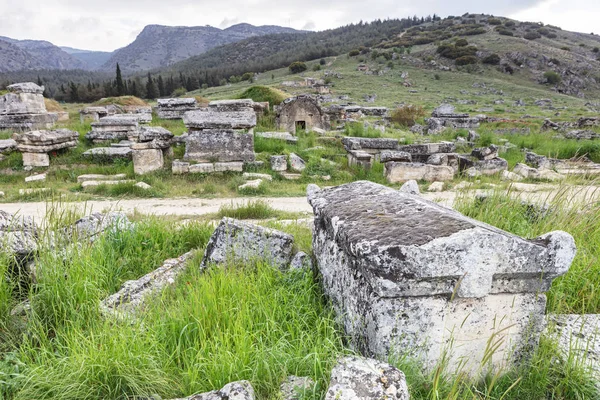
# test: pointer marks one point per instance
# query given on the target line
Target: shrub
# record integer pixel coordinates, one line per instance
(264, 93)
(407, 115)
(505, 32)
(466, 60)
(316, 67)
(258, 209)
(322, 61)
(247, 76)
(509, 24)
(555, 61)
(461, 43)
(596, 49)
(532, 35)
(494, 21)
(354, 53)
(552, 77)
(52, 105)
(437, 77)
(179, 92)
(121, 101)
(297, 67)
(552, 35)
(492, 59)
(566, 48)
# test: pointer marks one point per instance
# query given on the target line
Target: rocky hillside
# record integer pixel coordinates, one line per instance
(92, 59)
(16, 55)
(159, 46)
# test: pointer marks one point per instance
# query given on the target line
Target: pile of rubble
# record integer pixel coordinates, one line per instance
(220, 138)
(23, 108)
(541, 167)
(36, 145)
(445, 117)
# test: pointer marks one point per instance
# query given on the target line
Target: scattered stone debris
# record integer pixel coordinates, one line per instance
(175, 108)
(430, 277)
(143, 185)
(358, 378)
(288, 137)
(23, 108)
(36, 145)
(133, 295)
(430, 162)
(238, 240)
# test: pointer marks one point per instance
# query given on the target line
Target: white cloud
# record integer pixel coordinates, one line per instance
(110, 24)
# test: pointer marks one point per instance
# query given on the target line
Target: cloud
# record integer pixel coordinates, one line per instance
(109, 24)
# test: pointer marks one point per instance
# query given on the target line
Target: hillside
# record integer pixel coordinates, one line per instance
(159, 46)
(16, 55)
(92, 59)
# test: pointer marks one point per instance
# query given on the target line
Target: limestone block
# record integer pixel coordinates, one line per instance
(36, 160)
(202, 168)
(229, 166)
(219, 145)
(397, 172)
(278, 163)
(145, 161)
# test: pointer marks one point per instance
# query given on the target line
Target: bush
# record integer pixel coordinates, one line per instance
(532, 35)
(566, 48)
(466, 60)
(297, 67)
(179, 92)
(247, 76)
(552, 77)
(258, 209)
(322, 61)
(596, 50)
(461, 43)
(494, 21)
(509, 24)
(505, 32)
(353, 53)
(492, 59)
(316, 67)
(407, 115)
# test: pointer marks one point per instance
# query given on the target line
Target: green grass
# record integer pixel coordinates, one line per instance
(257, 209)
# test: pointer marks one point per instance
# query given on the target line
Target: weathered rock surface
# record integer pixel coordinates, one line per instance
(133, 295)
(221, 145)
(397, 172)
(359, 143)
(235, 240)
(297, 163)
(410, 187)
(240, 390)
(288, 137)
(114, 128)
(175, 108)
(18, 236)
(296, 388)
(301, 260)
(390, 155)
(405, 273)
(209, 118)
(46, 141)
(150, 133)
(147, 160)
(7, 146)
(96, 224)
(109, 152)
(357, 378)
(278, 163)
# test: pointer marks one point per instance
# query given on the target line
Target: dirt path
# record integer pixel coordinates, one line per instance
(195, 207)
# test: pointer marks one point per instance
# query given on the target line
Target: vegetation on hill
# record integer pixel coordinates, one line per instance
(265, 93)
(121, 101)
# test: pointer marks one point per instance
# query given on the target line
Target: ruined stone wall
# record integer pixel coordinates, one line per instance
(301, 109)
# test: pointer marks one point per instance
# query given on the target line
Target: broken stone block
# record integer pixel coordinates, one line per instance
(301, 261)
(288, 137)
(149, 160)
(222, 145)
(134, 295)
(436, 187)
(410, 187)
(398, 172)
(114, 128)
(202, 168)
(240, 390)
(36, 178)
(360, 158)
(255, 184)
(510, 176)
(229, 166)
(487, 167)
(23, 108)
(391, 155)
(357, 378)
(532, 173)
(278, 163)
(253, 175)
(143, 185)
(296, 388)
(109, 153)
(175, 108)
(231, 105)
(213, 119)
(297, 163)
(91, 184)
(36, 160)
(473, 136)
(150, 133)
(293, 177)
(7, 146)
(18, 236)
(485, 153)
(97, 177)
(180, 167)
(235, 240)
(406, 275)
(94, 225)
(380, 144)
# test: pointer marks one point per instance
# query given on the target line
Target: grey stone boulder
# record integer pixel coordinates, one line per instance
(301, 260)
(240, 390)
(278, 163)
(444, 110)
(357, 378)
(296, 388)
(235, 241)
(410, 187)
(94, 225)
(359, 143)
(297, 163)
(150, 133)
(25, 87)
(288, 137)
(7, 146)
(18, 236)
(485, 153)
(134, 295)
(391, 155)
(43, 141)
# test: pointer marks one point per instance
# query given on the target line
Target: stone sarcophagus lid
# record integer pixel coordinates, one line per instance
(407, 276)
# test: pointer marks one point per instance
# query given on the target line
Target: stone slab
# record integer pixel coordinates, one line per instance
(219, 145)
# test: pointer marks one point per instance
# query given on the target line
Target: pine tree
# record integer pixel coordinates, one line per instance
(161, 86)
(119, 82)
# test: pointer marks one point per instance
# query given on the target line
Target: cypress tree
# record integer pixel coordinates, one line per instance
(161, 86)
(151, 89)
(119, 82)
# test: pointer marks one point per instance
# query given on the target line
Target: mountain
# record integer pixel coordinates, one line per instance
(35, 54)
(93, 59)
(159, 46)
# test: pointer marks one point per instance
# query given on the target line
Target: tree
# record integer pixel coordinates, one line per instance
(119, 82)
(73, 92)
(297, 67)
(151, 89)
(552, 77)
(161, 86)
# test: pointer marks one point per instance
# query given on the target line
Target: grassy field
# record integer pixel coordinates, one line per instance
(241, 321)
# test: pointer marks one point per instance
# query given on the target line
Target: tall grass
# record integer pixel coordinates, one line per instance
(256, 209)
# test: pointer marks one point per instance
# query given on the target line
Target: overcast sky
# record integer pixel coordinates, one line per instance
(110, 24)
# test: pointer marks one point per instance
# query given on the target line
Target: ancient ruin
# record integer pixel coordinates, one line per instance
(175, 108)
(23, 108)
(113, 128)
(445, 116)
(37, 145)
(407, 275)
(152, 146)
(301, 113)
